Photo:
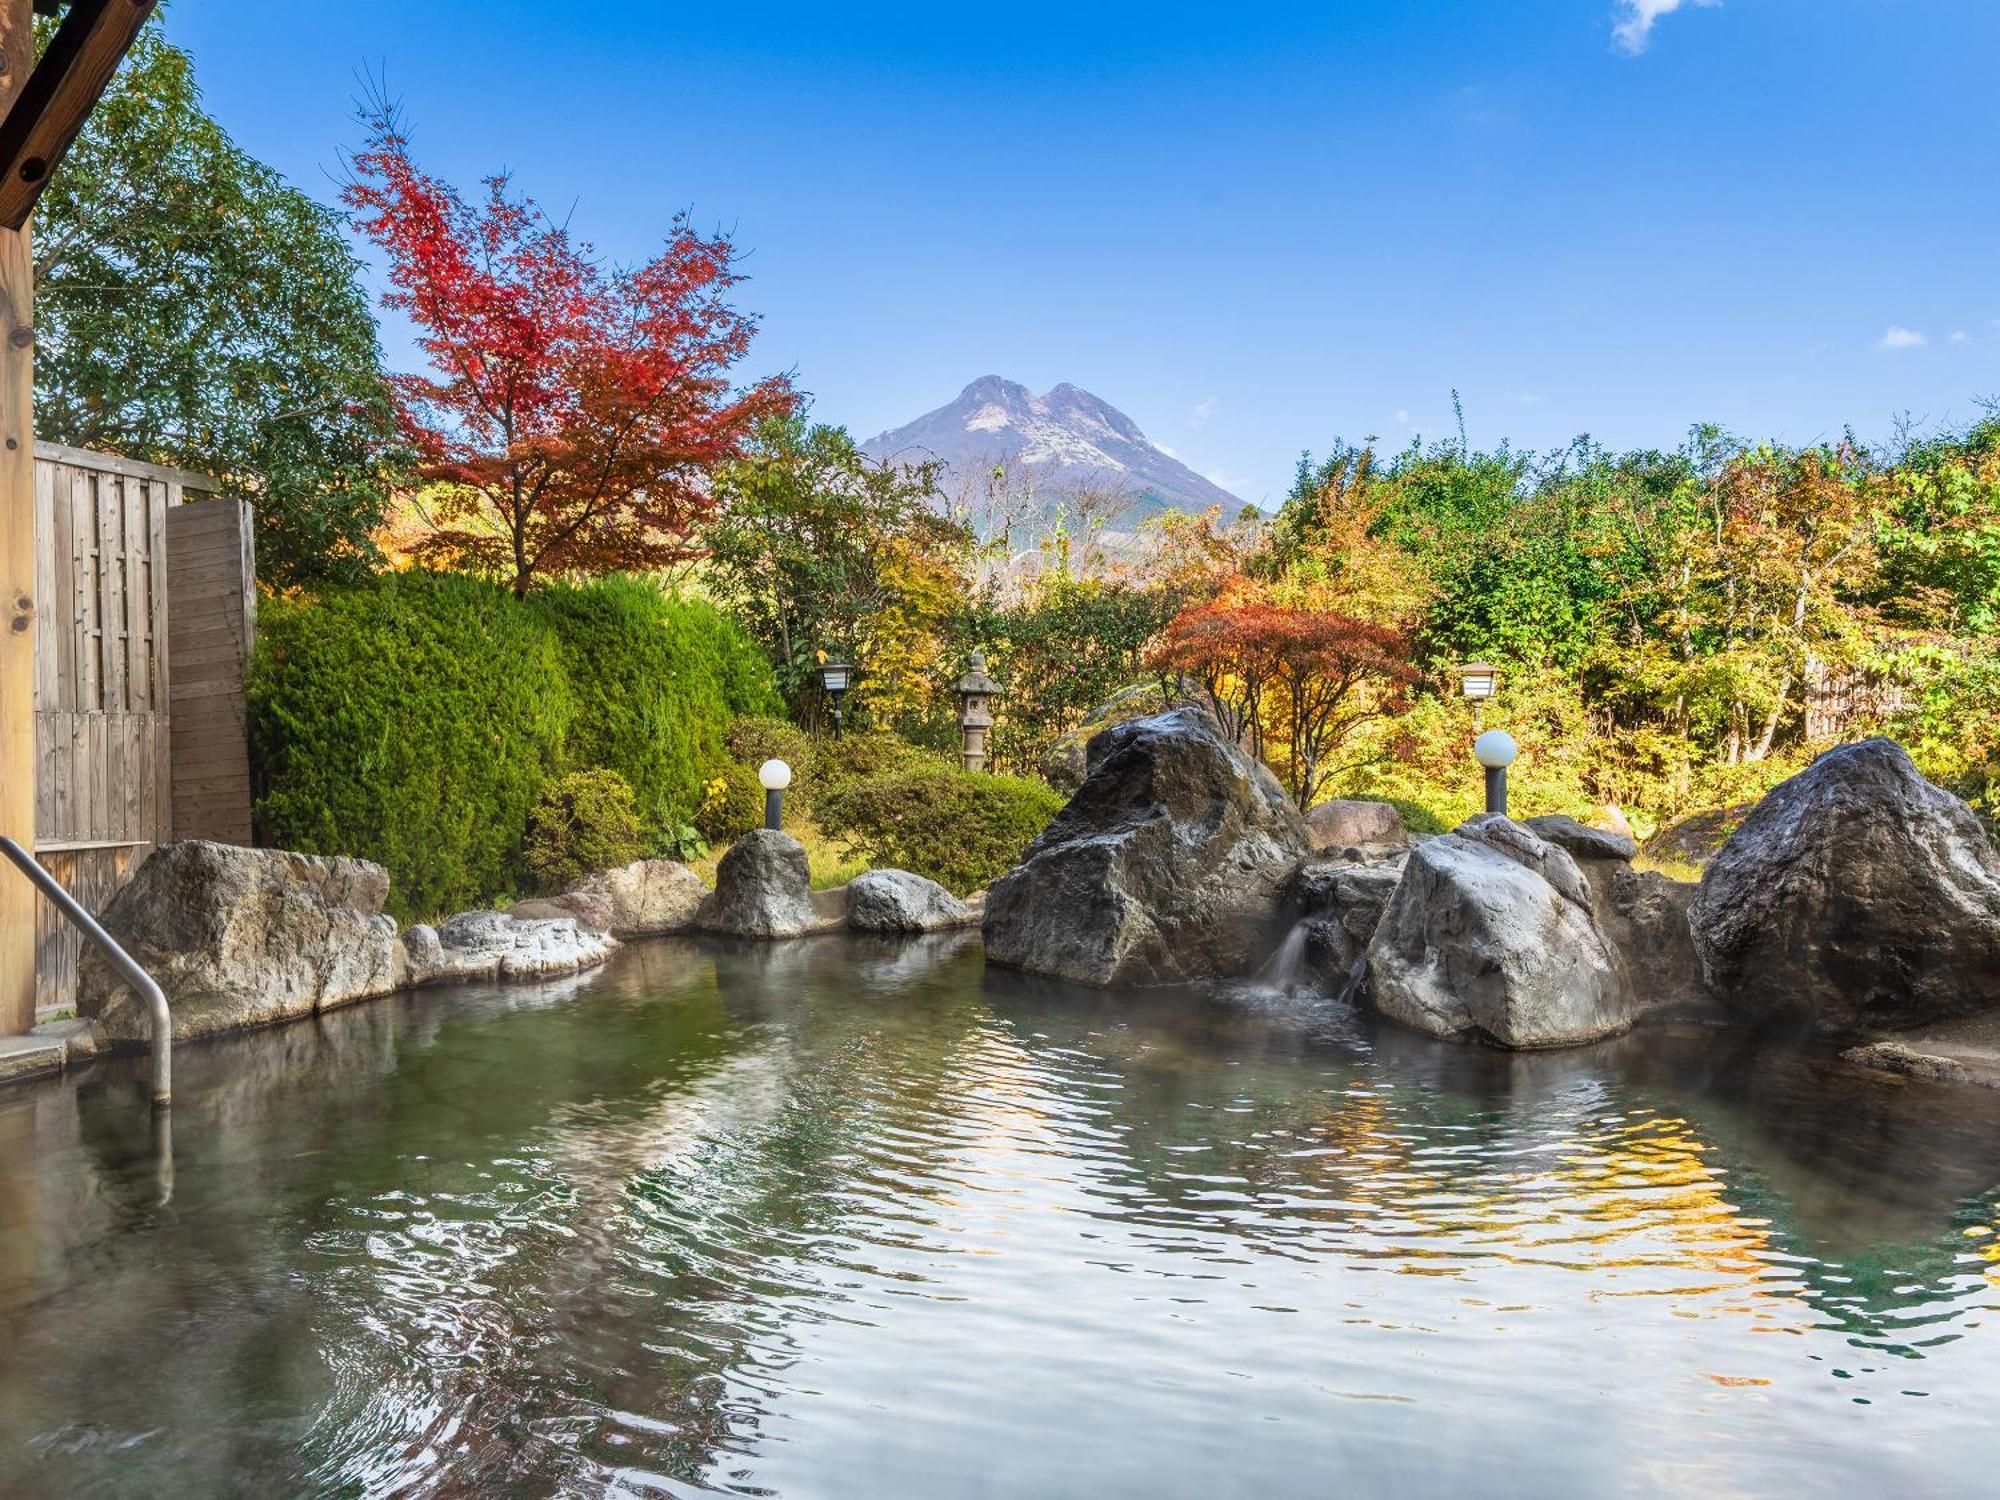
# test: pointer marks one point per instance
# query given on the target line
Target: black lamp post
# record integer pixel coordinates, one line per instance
(834, 676)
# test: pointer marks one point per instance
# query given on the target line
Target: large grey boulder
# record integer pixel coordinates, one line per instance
(1580, 840)
(1643, 914)
(502, 945)
(1855, 896)
(1346, 823)
(243, 937)
(1490, 936)
(1067, 760)
(897, 901)
(763, 889)
(647, 898)
(1165, 866)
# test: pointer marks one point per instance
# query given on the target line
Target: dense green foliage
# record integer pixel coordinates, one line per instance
(658, 680)
(582, 823)
(412, 721)
(962, 830)
(1679, 630)
(821, 552)
(732, 803)
(192, 308)
(416, 719)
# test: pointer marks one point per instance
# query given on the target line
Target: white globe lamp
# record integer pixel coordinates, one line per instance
(774, 776)
(1496, 750)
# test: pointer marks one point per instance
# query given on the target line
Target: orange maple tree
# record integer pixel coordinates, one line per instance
(1296, 680)
(573, 410)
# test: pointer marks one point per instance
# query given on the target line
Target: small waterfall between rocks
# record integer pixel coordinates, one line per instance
(1285, 968)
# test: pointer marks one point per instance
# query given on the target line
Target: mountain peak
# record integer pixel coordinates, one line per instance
(1068, 439)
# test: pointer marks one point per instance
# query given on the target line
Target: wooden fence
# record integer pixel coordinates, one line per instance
(211, 568)
(103, 684)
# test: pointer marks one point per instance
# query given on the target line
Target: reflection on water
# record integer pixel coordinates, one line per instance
(837, 1218)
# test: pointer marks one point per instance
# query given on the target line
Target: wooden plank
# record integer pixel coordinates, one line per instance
(211, 618)
(58, 614)
(163, 682)
(89, 656)
(47, 682)
(47, 110)
(138, 598)
(111, 588)
(17, 558)
(111, 463)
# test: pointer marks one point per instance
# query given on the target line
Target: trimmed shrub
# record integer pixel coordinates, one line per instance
(412, 721)
(838, 763)
(582, 823)
(732, 804)
(656, 679)
(415, 719)
(754, 740)
(961, 829)
(1416, 817)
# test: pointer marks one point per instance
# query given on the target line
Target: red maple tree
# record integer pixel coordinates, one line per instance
(1302, 680)
(574, 410)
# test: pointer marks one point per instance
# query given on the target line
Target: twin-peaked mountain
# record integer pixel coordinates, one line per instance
(1064, 442)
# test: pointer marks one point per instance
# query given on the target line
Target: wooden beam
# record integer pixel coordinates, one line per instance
(44, 117)
(17, 559)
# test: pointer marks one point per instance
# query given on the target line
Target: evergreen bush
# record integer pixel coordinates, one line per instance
(415, 720)
(732, 804)
(582, 823)
(657, 679)
(412, 721)
(961, 829)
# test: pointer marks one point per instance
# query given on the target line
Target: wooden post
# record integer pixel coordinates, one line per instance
(17, 559)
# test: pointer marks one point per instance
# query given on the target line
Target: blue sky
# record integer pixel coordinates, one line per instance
(1252, 228)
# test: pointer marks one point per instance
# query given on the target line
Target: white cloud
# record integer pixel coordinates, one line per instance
(1636, 17)
(1528, 398)
(1200, 415)
(1403, 417)
(1896, 336)
(1230, 482)
(1168, 451)
(1959, 336)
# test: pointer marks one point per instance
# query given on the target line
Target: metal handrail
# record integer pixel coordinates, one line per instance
(128, 969)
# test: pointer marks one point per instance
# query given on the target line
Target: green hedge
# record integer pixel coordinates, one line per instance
(959, 828)
(415, 719)
(412, 721)
(658, 679)
(582, 823)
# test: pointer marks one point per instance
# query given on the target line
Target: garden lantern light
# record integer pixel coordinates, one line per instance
(774, 776)
(976, 692)
(1495, 750)
(835, 676)
(1478, 681)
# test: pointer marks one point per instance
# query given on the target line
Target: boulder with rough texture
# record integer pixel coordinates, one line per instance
(243, 937)
(1347, 824)
(763, 889)
(1165, 866)
(897, 901)
(1855, 896)
(647, 898)
(502, 945)
(1490, 936)
(1067, 760)
(1581, 840)
(1643, 914)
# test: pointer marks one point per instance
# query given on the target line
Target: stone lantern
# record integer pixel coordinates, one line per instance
(976, 692)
